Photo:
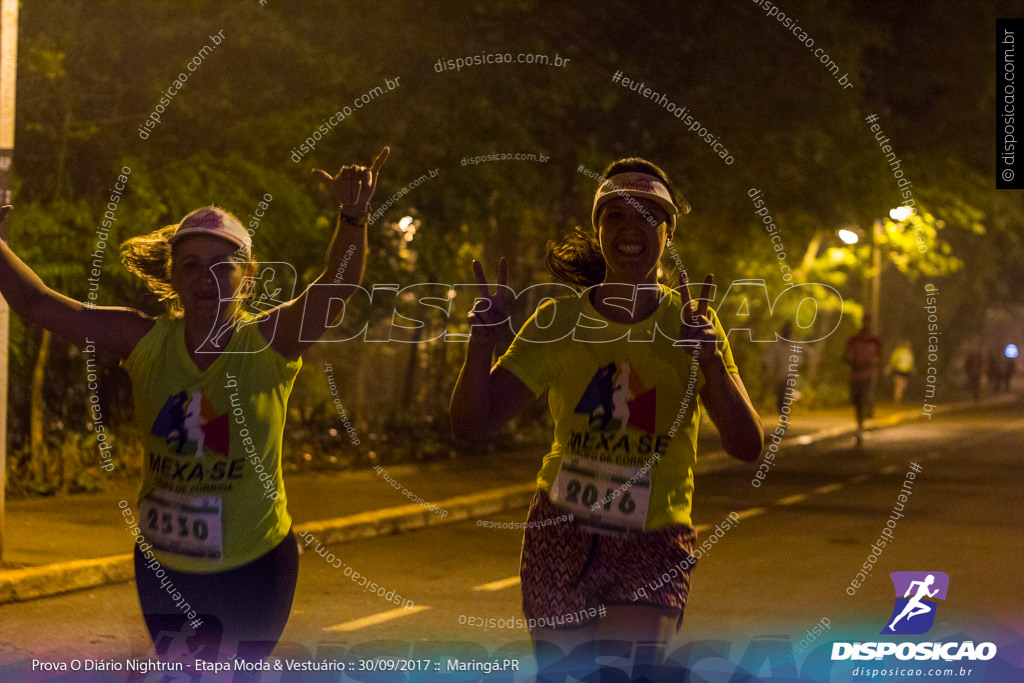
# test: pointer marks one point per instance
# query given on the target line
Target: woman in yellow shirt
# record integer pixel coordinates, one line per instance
(623, 363)
(215, 559)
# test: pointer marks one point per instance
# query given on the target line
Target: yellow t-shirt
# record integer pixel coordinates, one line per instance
(902, 360)
(212, 495)
(621, 396)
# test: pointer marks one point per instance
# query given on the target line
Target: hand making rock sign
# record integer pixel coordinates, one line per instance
(211, 518)
(353, 186)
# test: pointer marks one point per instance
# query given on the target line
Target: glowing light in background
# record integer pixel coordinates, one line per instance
(901, 213)
(407, 228)
(848, 236)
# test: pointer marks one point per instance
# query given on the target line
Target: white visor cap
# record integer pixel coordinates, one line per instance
(215, 222)
(638, 185)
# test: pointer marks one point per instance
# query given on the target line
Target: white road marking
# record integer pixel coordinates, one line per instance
(789, 500)
(378, 618)
(750, 512)
(498, 585)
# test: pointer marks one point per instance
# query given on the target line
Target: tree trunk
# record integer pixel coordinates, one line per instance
(409, 393)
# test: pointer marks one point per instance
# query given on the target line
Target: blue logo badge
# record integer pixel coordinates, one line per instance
(917, 596)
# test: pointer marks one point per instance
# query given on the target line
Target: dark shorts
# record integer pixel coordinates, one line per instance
(241, 611)
(567, 570)
(862, 391)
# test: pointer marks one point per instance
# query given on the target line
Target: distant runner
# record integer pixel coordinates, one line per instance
(863, 354)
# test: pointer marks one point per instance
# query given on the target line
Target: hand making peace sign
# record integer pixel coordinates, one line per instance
(489, 310)
(354, 185)
(697, 332)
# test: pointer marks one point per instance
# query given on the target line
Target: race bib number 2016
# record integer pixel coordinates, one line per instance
(183, 525)
(604, 495)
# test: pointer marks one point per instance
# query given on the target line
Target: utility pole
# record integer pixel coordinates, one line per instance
(877, 230)
(8, 75)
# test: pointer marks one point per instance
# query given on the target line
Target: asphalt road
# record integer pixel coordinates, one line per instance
(787, 565)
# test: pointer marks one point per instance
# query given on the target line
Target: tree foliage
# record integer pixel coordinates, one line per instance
(92, 73)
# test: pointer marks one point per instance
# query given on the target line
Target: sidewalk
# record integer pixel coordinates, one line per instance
(75, 542)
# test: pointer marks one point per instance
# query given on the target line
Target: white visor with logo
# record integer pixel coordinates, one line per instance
(642, 186)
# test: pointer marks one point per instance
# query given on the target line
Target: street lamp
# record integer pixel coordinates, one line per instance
(851, 235)
(877, 230)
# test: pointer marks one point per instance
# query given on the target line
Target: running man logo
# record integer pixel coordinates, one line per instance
(616, 398)
(914, 612)
(257, 295)
(191, 425)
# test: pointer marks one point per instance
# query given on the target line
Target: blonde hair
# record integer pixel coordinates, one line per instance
(149, 258)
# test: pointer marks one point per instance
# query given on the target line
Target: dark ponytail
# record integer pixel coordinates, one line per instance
(576, 259)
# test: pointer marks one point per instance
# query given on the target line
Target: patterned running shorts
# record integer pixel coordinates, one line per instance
(566, 569)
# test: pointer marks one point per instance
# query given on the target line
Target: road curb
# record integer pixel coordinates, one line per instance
(18, 585)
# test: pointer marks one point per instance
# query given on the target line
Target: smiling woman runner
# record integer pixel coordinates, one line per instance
(215, 559)
(616, 462)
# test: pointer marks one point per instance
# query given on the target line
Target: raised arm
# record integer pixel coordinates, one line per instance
(115, 330)
(723, 394)
(293, 326)
(485, 398)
